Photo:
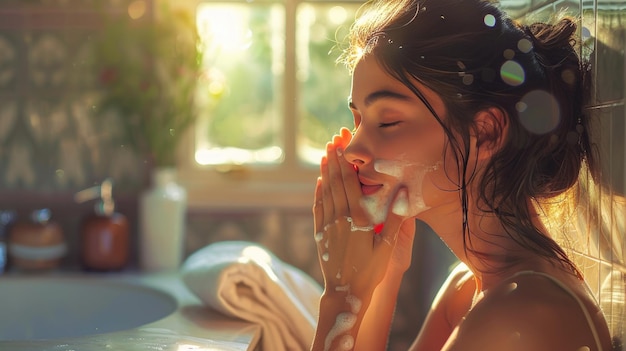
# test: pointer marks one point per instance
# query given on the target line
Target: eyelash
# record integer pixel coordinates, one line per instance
(387, 125)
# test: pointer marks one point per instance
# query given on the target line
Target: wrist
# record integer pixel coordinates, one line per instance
(338, 301)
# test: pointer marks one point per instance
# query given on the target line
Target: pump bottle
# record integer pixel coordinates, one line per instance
(104, 233)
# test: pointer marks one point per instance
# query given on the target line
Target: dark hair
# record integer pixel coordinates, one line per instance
(475, 57)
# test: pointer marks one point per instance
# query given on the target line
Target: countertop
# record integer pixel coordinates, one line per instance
(192, 326)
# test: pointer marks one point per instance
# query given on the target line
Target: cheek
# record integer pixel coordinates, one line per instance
(442, 186)
(416, 188)
(412, 176)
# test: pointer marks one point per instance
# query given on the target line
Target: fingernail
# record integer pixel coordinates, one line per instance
(339, 151)
(401, 204)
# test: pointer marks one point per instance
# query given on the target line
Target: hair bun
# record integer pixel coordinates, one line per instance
(554, 44)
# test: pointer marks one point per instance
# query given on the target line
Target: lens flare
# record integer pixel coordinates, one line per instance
(512, 73)
(489, 20)
(539, 112)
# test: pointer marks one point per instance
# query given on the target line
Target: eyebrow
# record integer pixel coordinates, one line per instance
(378, 95)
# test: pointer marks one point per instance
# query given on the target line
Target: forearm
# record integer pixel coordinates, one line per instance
(341, 315)
(347, 322)
(374, 329)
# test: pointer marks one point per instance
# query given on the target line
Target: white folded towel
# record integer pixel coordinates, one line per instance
(246, 281)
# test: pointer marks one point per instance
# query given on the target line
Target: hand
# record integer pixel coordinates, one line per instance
(353, 258)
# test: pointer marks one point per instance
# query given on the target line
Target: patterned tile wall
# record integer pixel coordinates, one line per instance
(50, 138)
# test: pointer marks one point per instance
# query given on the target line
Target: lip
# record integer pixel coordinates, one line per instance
(368, 187)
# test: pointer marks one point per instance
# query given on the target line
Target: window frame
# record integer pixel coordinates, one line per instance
(289, 184)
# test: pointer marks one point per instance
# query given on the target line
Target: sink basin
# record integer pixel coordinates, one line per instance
(46, 308)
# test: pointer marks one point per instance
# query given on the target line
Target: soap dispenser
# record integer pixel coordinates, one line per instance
(104, 233)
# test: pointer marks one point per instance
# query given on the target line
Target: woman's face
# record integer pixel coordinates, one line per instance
(398, 143)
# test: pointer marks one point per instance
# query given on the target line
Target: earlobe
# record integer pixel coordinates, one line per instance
(491, 127)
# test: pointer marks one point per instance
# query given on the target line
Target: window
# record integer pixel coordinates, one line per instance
(271, 97)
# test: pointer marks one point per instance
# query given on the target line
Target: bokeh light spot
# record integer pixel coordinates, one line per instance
(585, 33)
(539, 112)
(468, 79)
(512, 73)
(337, 15)
(137, 9)
(490, 20)
(524, 45)
(568, 76)
(508, 54)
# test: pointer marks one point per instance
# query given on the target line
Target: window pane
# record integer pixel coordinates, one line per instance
(324, 85)
(239, 98)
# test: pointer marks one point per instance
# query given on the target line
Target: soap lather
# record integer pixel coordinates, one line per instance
(104, 233)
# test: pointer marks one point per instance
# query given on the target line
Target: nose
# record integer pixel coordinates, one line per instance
(357, 152)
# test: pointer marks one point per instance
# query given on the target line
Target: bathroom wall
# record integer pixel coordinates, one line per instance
(52, 144)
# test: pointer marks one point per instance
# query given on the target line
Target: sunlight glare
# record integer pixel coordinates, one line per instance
(232, 155)
(223, 28)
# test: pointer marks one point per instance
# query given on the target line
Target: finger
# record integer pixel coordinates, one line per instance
(352, 188)
(327, 196)
(337, 186)
(318, 207)
(351, 183)
(346, 137)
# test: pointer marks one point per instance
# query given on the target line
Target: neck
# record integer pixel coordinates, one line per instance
(488, 250)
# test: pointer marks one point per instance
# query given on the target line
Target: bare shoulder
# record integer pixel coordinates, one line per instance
(529, 312)
(457, 279)
(449, 306)
(456, 293)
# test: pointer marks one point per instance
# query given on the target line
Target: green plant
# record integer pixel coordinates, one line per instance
(148, 69)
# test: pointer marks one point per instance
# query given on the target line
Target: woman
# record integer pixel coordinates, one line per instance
(473, 124)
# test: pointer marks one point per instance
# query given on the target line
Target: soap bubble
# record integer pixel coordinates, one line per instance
(489, 20)
(539, 112)
(512, 73)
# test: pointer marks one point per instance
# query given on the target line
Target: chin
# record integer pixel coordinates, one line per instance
(376, 206)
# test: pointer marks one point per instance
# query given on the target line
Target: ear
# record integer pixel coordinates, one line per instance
(491, 128)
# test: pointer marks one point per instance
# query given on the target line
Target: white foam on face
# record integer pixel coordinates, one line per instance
(410, 175)
(376, 205)
(401, 205)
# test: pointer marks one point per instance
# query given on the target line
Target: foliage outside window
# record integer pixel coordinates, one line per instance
(258, 107)
(148, 69)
